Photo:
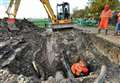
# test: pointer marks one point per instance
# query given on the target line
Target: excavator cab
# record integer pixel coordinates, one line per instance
(63, 11)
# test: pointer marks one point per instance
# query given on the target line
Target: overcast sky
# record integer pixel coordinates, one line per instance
(34, 8)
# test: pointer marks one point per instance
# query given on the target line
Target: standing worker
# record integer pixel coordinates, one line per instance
(117, 30)
(104, 19)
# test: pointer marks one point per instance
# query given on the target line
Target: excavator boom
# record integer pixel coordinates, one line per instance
(49, 11)
(14, 4)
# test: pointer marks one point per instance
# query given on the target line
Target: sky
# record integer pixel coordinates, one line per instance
(35, 9)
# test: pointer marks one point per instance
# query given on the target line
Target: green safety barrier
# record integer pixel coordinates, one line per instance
(85, 22)
(79, 21)
(41, 22)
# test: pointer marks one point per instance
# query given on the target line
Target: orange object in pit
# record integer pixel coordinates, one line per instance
(78, 68)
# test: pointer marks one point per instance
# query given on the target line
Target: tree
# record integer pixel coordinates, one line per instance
(78, 13)
(96, 6)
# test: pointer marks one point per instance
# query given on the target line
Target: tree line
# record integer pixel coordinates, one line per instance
(95, 7)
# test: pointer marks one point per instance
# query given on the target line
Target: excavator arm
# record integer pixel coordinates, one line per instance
(49, 11)
(14, 4)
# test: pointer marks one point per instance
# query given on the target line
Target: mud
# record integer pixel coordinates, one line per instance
(36, 55)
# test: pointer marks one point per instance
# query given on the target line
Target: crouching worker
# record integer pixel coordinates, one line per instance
(117, 30)
(80, 68)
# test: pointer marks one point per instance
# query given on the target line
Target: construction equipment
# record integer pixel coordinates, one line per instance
(63, 12)
(63, 19)
(12, 10)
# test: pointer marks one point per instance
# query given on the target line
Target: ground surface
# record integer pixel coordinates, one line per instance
(32, 55)
(110, 37)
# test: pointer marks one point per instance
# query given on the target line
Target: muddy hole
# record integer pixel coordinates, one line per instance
(36, 56)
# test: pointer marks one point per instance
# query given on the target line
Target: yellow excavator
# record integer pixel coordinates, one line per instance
(61, 21)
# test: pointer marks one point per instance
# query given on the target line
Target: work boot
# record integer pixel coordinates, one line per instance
(99, 30)
(106, 31)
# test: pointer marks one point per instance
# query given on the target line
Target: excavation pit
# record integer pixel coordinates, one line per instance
(39, 55)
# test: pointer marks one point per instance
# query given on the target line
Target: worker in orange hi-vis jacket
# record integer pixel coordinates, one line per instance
(80, 68)
(105, 15)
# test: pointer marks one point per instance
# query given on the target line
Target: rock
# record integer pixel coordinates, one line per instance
(101, 77)
(59, 75)
(51, 80)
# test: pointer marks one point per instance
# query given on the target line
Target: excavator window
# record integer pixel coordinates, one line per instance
(60, 15)
(66, 9)
(59, 12)
(66, 13)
